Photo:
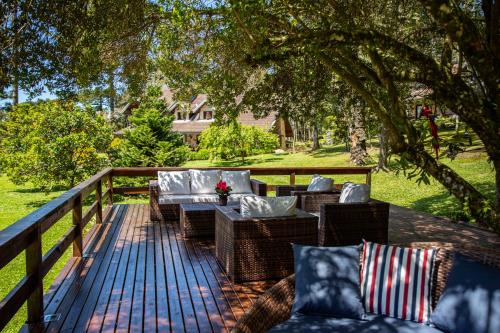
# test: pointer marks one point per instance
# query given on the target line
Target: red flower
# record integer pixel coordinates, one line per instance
(222, 185)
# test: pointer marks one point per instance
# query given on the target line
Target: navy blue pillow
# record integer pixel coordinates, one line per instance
(327, 281)
(470, 302)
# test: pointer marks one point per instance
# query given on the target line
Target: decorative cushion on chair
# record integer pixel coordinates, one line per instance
(320, 183)
(470, 302)
(255, 206)
(174, 182)
(236, 198)
(327, 281)
(238, 180)
(355, 193)
(397, 281)
(204, 181)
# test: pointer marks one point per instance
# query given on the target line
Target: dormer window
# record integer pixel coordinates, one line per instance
(207, 115)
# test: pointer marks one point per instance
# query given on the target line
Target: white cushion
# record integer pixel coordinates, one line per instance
(174, 182)
(355, 193)
(255, 206)
(320, 183)
(236, 198)
(238, 180)
(169, 199)
(204, 181)
(205, 198)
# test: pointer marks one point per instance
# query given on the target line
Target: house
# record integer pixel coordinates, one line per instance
(191, 118)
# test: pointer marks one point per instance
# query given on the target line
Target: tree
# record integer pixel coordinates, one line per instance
(150, 140)
(53, 144)
(380, 49)
(232, 140)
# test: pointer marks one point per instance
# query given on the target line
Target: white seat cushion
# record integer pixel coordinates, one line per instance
(320, 183)
(204, 181)
(355, 193)
(169, 199)
(238, 180)
(174, 182)
(236, 198)
(205, 198)
(255, 206)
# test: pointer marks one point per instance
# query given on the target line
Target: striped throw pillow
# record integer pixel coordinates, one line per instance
(397, 281)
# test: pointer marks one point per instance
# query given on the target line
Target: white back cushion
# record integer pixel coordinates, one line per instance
(173, 182)
(320, 183)
(255, 206)
(238, 180)
(204, 181)
(355, 193)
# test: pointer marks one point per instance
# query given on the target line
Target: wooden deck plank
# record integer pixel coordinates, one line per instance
(150, 314)
(162, 310)
(125, 303)
(87, 297)
(120, 251)
(188, 312)
(192, 283)
(64, 302)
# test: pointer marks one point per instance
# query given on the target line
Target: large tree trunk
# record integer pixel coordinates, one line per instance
(383, 150)
(15, 92)
(358, 136)
(315, 137)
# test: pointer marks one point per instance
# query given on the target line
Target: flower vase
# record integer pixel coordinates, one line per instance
(222, 200)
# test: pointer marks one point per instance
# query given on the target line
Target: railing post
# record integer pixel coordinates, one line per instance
(110, 189)
(77, 221)
(292, 178)
(33, 268)
(98, 198)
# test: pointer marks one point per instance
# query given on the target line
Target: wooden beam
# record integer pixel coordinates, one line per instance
(77, 222)
(34, 269)
(89, 214)
(51, 257)
(98, 199)
(15, 299)
(292, 178)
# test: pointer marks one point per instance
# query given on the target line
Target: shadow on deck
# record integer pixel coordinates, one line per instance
(142, 276)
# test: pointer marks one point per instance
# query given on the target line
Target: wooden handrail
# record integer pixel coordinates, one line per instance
(26, 234)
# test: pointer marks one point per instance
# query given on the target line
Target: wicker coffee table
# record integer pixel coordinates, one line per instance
(198, 220)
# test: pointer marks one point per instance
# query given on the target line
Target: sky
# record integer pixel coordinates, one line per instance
(23, 97)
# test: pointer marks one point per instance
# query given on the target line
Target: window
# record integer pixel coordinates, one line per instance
(207, 115)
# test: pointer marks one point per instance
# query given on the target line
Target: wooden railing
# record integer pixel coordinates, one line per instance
(26, 234)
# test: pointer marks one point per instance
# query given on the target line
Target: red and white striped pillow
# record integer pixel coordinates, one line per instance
(397, 281)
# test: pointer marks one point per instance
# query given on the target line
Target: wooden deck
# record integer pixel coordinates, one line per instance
(142, 276)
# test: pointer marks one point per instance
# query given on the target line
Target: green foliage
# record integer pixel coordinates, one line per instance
(150, 141)
(200, 155)
(233, 140)
(53, 143)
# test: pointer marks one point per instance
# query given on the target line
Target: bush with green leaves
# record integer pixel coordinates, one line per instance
(53, 143)
(150, 141)
(232, 140)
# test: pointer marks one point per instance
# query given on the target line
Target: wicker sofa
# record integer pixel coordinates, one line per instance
(170, 211)
(275, 305)
(253, 249)
(315, 199)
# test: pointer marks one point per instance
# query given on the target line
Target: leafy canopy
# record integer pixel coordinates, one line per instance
(53, 143)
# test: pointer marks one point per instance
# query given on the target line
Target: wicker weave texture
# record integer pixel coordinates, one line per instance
(345, 224)
(275, 305)
(260, 249)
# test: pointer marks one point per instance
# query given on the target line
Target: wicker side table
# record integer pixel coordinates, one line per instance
(198, 220)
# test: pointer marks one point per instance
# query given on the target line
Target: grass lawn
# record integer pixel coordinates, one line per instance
(18, 201)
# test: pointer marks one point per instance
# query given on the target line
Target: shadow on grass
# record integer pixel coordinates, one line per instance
(39, 190)
(328, 151)
(445, 204)
(238, 163)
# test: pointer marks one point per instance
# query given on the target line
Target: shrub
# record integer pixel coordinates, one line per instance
(53, 143)
(201, 154)
(233, 140)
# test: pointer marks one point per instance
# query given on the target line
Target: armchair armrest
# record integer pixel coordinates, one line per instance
(285, 190)
(258, 187)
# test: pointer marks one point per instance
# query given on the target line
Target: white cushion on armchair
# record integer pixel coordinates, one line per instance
(204, 181)
(255, 206)
(320, 183)
(238, 180)
(355, 193)
(174, 182)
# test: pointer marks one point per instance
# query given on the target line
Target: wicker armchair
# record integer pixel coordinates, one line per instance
(253, 249)
(170, 212)
(350, 223)
(275, 305)
(314, 198)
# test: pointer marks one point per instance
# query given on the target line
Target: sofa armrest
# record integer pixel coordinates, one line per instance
(154, 207)
(270, 309)
(154, 188)
(285, 190)
(258, 187)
